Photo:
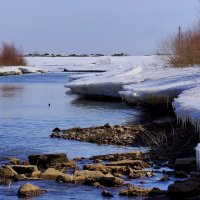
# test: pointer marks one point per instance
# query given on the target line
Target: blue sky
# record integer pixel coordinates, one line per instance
(93, 26)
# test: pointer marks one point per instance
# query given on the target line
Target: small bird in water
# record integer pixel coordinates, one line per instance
(49, 104)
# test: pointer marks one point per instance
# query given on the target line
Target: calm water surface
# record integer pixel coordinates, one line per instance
(26, 122)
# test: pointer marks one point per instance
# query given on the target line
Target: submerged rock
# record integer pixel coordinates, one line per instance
(30, 190)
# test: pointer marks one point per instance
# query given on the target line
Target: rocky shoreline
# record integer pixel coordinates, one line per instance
(173, 147)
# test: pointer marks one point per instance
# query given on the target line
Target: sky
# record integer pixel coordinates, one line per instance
(93, 26)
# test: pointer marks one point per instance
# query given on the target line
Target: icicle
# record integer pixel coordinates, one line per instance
(198, 156)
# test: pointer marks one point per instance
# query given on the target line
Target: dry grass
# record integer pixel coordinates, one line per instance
(11, 56)
(182, 49)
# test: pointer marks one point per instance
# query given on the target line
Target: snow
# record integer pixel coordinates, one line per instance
(187, 107)
(58, 64)
(162, 87)
(121, 71)
(9, 71)
(145, 79)
(133, 78)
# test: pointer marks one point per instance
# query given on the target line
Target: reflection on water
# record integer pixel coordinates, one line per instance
(26, 118)
(26, 122)
(10, 90)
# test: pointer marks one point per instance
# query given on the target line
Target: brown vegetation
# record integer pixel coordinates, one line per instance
(182, 49)
(11, 56)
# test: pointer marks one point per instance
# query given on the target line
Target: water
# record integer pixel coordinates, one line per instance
(26, 122)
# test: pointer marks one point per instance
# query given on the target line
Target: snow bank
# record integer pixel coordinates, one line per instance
(162, 86)
(58, 64)
(187, 107)
(121, 71)
(4, 71)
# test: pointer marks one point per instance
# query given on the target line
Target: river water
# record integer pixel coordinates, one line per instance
(26, 122)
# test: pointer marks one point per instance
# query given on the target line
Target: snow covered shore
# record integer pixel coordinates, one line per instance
(133, 78)
(145, 79)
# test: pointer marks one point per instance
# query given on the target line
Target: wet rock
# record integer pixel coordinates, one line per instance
(185, 164)
(8, 172)
(56, 129)
(51, 174)
(65, 178)
(149, 174)
(30, 190)
(135, 191)
(21, 177)
(97, 167)
(89, 177)
(119, 169)
(97, 184)
(35, 174)
(164, 178)
(118, 135)
(133, 174)
(14, 161)
(105, 193)
(159, 197)
(69, 165)
(185, 189)
(97, 161)
(136, 164)
(180, 174)
(24, 169)
(44, 161)
(107, 125)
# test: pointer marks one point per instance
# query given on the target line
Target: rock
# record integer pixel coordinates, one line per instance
(105, 193)
(97, 167)
(14, 161)
(164, 178)
(135, 191)
(119, 169)
(56, 129)
(134, 155)
(159, 197)
(35, 174)
(65, 178)
(185, 189)
(97, 161)
(136, 174)
(70, 164)
(180, 174)
(44, 161)
(185, 164)
(8, 172)
(21, 177)
(30, 190)
(149, 174)
(107, 125)
(137, 164)
(51, 174)
(24, 169)
(89, 177)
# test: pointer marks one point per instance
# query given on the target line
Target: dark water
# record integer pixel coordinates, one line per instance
(26, 122)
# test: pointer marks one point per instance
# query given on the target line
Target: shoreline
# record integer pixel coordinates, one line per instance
(118, 170)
